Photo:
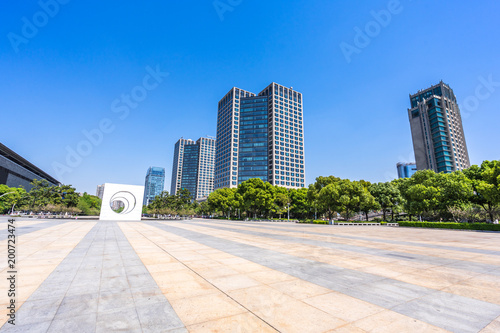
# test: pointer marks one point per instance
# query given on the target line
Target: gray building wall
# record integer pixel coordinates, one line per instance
(14, 175)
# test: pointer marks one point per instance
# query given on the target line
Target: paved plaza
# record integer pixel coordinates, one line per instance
(220, 276)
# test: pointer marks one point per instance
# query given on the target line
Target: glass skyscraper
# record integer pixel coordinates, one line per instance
(155, 181)
(437, 132)
(406, 170)
(260, 136)
(193, 167)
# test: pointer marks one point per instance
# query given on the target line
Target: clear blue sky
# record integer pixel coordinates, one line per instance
(62, 79)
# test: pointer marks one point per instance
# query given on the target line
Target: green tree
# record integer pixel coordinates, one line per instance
(486, 184)
(299, 206)
(11, 197)
(368, 203)
(223, 200)
(387, 196)
(282, 200)
(257, 196)
(89, 204)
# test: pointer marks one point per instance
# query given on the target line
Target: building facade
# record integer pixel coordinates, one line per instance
(99, 191)
(153, 186)
(437, 132)
(16, 171)
(260, 136)
(193, 167)
(406, 170)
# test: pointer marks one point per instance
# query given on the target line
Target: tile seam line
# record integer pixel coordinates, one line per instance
(433, 291)
(244, 307)
(304, 241)
(375, 240)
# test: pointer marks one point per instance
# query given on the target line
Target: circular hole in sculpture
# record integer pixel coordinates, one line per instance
(117, 206)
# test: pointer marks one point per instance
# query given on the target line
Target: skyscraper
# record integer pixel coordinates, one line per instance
(260, 136)
(155, 181)
(406, 170)
(99, 191)
(437, 132)
(193, 167)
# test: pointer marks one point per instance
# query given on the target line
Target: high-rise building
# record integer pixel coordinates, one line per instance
(193, 167)
(100, 191)
(260, 136)
(406, 170)
(437, 132)
(155, 181)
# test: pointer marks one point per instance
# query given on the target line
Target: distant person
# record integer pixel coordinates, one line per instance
(495, 222)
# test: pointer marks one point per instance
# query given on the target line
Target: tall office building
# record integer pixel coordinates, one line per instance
(155, 181)
(100, 191)
(406, 170)
(437, 132)
(260, 136)
(193, 167)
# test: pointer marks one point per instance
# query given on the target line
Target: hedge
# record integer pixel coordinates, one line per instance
(452, 225)
(314, 222)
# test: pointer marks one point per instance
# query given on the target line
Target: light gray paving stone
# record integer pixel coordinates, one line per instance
(125, 319)
(91, 291)
(451, 312)
(27, 229)
(82, 324)
(398, 296)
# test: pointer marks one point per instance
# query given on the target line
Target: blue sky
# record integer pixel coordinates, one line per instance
(68, 76)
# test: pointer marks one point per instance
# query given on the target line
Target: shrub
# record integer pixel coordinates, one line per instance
(452, 225)
(313, 221)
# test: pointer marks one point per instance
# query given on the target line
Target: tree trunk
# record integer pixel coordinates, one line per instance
(392, 215)
(366, 213)
(383, 213)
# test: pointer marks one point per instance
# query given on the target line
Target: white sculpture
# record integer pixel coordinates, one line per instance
(126, 199)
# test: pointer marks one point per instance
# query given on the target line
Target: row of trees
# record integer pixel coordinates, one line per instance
(44, 197)
(470, 195)
(178, 204)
